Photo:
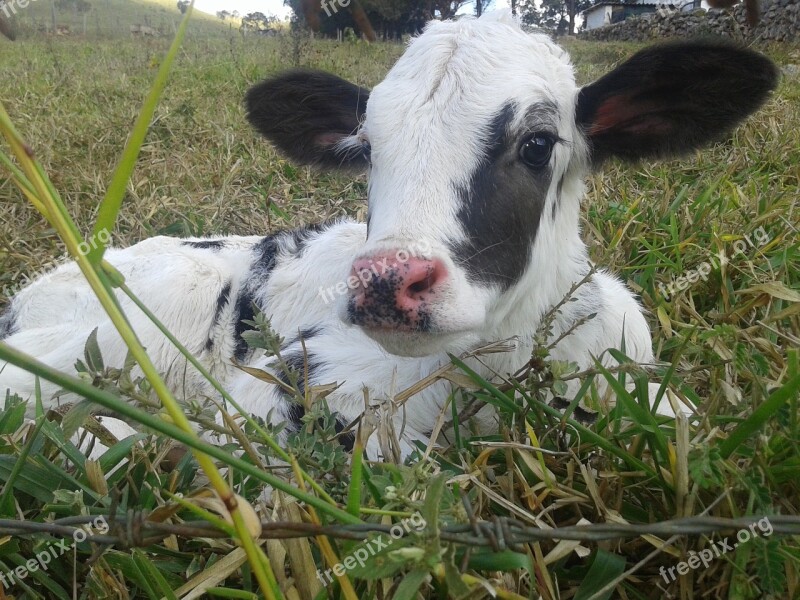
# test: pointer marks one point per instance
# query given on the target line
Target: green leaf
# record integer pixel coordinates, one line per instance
(76, 416)
(606, 567)
(753, 423)
(408, 588)
(505, 561)
(769, 565)
(452, 576)
(385, 562)
(12, 417)
(705, 467)
(92, 354)
(433, 499)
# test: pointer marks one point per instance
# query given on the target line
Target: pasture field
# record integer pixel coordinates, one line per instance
(726, 329)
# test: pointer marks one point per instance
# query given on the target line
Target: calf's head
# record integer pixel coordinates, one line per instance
(476, 144)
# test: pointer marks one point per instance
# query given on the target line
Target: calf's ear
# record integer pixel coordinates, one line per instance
(672, 98)
(310, 116)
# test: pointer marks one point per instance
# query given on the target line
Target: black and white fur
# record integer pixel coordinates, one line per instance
(476, 144)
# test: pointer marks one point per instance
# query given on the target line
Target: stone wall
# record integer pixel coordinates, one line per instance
(780, 21)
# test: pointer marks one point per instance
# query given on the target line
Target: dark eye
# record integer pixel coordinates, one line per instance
(536, 150)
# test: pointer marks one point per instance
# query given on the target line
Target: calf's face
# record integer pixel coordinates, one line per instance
(474, 143)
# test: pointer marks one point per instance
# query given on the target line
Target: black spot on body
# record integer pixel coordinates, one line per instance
(501, 207)
(579, 414)
(305, 334)
(310, 332)
(294, 415)
(245, 311)
(7, 324)
(302, 235)
(205, 244)
(266, 252)
(347, 440)
(222, 301)
(296, 361)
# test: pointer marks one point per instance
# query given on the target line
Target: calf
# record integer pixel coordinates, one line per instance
(476, 144)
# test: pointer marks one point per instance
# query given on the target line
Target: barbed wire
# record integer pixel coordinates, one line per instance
(135, 530)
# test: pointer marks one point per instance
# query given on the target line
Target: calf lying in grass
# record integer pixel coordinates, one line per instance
(476, 144)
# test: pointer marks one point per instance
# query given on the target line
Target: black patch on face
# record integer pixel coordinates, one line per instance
(502, 205)
(222, 301)
(559, 187)
(7, 324)
(206, 244)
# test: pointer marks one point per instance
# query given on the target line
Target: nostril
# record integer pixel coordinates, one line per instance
(421, 286)
(424, 275)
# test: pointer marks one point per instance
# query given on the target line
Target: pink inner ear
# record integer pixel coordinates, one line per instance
(622, 114)
(328, 139)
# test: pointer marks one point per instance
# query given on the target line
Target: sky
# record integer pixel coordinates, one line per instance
(274, 7)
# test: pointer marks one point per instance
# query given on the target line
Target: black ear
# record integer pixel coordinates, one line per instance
(673, 98)
(306, 114)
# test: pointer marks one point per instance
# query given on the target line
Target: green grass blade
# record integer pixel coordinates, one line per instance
(112, 202)
(606, 567)
(124, 409)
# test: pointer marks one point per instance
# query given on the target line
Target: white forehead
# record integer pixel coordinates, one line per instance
(455, 77)
(490, 51)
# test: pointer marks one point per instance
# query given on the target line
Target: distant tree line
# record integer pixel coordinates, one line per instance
(391, 19)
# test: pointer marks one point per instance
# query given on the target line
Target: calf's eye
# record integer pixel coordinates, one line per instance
(536, 150)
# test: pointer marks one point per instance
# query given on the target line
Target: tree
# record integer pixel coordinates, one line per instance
(223, 14)
(258, 21)
(6, 27)
(556, 15)
(389, 18)
(183, 6)
(311, 13)
(77, 6)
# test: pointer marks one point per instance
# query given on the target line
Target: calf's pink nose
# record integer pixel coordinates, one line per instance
(394, 290)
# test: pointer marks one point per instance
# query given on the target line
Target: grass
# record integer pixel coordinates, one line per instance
(726, 342)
